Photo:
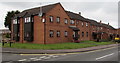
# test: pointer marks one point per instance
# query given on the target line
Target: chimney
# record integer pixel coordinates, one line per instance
(108, 23)
(100, 21)
(79, 13)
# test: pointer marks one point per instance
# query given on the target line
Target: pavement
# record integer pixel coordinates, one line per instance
(38, 51)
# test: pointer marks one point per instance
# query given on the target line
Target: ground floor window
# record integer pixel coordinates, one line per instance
(66, 33)
(87, 34)
(58, 33)
(51, 33)
(82, 34)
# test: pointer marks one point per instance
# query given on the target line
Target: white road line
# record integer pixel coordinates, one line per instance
(104, 56)
(22, 60)
(37, 59)
(54, 56)
(47, 57)
(43, 57)
(32, 58)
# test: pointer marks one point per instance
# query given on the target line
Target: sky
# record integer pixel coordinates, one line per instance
(105, 11)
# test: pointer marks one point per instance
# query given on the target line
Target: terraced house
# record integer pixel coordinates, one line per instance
(53, 24)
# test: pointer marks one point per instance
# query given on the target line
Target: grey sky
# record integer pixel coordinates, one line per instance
(105, 11)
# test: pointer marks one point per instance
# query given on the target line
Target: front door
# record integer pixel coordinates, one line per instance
(75, 35)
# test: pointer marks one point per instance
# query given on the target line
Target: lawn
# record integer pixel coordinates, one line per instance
(83, 44)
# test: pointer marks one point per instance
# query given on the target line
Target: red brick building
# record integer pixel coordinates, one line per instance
(53, 24)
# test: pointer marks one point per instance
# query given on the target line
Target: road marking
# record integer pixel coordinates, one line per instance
(54, 56)
(37, 59)
(32, 58)
(47, 57)
(22, 60)
(43, 57)
(104, 56)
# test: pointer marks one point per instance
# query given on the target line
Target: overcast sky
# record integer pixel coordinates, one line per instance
(107, 12)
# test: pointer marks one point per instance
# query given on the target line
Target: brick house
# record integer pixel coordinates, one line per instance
(52, 24)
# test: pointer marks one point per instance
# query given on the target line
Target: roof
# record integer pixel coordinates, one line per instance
(93, 22)
(75, 16)
(36, 10)
(74, 28)
(45, 9)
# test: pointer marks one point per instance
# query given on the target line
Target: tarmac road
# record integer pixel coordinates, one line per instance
(108, 54)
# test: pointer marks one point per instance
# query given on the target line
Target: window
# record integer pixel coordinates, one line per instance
(86, 24)
(58, 33)
(58, 19)
(101, 28)
(72, 22)
(77, 22)
(51, 18)
(97, 28)
(51, 33)
(66, 21)
(15, 21)
(27, 19)
(66, 33)
(82, 24)
(87, 34)
(82, 34)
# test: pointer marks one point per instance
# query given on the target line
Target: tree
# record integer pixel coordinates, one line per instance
(8, 20)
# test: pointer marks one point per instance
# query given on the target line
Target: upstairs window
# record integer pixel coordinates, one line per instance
(66, 21)
(51, 18)
(66, 33)
(58, 19)
(82, 24)
(86, 24)
(72, 22)
(15, 21)
(77, 22)
(27, 20)
(58, 33)
(51, 33)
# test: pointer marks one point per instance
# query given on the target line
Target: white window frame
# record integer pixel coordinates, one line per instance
(51, 18)
(27, 19)
(72, 22)
(66, 21)
(15, 21)
(58, 33)
(86, 24)
(82, 24)
(58, 19)
(66, 33)
(51, 33)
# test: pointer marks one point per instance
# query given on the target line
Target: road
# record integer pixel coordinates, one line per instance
(108, 54)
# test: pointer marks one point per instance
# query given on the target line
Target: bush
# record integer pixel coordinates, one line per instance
(7, 35)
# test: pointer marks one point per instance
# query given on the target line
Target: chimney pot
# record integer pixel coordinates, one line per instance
(100, 21)
(79, 13)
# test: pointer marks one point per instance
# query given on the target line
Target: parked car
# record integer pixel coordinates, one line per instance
(117, 39)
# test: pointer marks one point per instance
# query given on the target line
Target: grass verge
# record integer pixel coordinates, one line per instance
(83, 44)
